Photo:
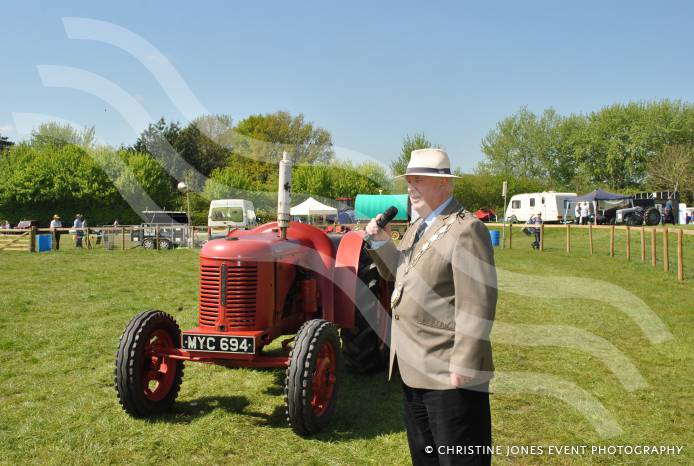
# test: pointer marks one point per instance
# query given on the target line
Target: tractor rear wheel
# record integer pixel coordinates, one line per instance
(146, 381)
(313, 377)
(652, 216)
(164, 244)
(364, 350)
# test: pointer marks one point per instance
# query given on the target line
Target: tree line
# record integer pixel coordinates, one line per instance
(59, 169)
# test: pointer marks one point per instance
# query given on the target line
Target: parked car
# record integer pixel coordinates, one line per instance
(486, 215)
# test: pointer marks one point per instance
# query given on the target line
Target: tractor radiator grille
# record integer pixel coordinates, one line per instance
(239, 295)
(242, 282)
(210, 278)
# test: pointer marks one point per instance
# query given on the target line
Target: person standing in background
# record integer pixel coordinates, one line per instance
(79, 234)
(55, 224)
(584, 213)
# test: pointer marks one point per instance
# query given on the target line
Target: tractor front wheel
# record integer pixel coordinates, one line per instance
(148, 381)
(313, 376)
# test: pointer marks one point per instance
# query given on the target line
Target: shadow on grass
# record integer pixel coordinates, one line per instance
(184, 412)
(367, 407)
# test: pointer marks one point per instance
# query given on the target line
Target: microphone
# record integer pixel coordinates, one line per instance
(387, 216)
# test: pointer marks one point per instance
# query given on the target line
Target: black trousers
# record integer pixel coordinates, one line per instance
(442, 423)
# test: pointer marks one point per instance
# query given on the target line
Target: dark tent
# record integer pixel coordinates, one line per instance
(599, 195)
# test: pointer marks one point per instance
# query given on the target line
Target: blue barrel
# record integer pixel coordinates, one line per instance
(45, 242)
(495, 235)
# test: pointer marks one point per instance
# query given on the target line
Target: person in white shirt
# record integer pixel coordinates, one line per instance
(584, 213)
(55, 224)
(577, 213)
(79, 234)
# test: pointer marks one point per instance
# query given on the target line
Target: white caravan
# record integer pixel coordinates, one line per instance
(231, 213)
(550, 203)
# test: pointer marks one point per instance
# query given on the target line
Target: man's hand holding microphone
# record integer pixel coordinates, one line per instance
(377, 229)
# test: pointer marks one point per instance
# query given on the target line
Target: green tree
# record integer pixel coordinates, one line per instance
(410, 143)
(673, 170)
(160, 141)
(611, 147)
(265, 137)
(57, 135)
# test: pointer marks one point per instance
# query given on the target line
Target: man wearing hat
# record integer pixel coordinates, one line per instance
(55, 224)
(443, 307)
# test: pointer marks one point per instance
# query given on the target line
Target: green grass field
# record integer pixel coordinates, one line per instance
(61, 315)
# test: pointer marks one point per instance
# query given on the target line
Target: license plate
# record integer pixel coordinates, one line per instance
(218, 343)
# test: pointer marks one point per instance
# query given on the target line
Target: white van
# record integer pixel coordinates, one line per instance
(550, 203)
(231, 213)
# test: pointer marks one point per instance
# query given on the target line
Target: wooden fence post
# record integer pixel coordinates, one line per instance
(653, 258)
(590, 237)
(612, 241)
(89, 243)
(542, 237)
(510, 235)
(156, 234)
(53, 235)
(680, 259)
(628, 243)
(568, 238)
(32, 240)
(643, 243)
(123, 238)
(666, 252)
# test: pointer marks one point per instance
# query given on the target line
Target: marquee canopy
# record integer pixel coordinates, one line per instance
(312, 207)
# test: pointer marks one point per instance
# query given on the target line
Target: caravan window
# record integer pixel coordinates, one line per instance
(227, 214)
(515, 204)
(532, 202)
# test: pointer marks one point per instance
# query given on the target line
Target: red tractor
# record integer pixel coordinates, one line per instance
(282, 278)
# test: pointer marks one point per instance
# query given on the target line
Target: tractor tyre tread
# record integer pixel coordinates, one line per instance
(297, 400)
(125, 374)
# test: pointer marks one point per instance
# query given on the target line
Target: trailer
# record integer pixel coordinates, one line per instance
(552, 205)
(162, 229)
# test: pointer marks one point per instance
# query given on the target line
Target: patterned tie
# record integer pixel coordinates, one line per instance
(420, 231)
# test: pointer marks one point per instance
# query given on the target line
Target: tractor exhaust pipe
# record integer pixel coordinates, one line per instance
(284, 191)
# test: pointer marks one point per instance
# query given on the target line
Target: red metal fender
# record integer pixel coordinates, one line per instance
(345, 277)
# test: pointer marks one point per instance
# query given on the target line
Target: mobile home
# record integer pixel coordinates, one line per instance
(552, 205)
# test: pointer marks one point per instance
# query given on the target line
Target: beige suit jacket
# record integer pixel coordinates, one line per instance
(444, 300)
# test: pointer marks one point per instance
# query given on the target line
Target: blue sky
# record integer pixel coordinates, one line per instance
(368, 72)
